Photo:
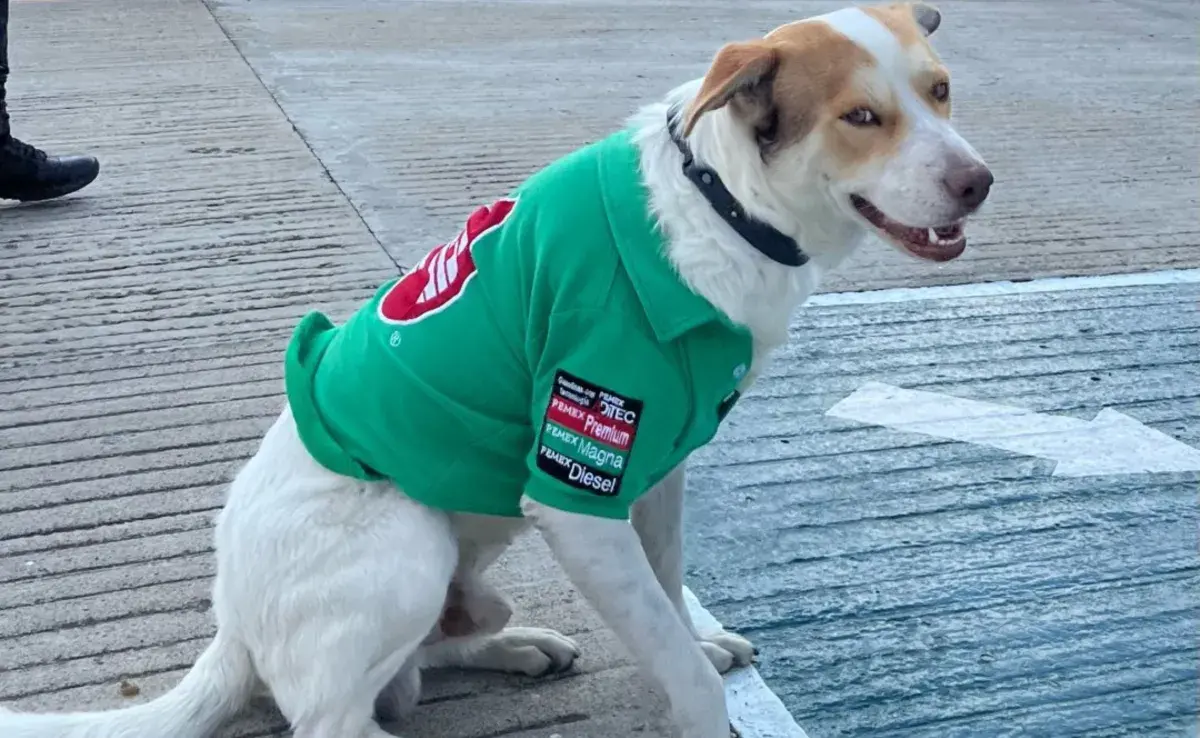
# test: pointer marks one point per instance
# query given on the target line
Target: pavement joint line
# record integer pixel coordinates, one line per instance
(316, 157)
(753, 708)
(993, 289)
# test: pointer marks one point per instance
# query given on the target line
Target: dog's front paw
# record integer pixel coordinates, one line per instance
(535, 651)
(727, 650)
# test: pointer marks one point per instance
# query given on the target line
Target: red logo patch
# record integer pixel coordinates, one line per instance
(439, 278)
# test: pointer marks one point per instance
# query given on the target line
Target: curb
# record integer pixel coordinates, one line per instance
(753, 708)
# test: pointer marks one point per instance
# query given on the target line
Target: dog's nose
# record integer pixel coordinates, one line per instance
(969, 184)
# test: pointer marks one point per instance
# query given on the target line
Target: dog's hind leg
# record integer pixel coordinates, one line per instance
(472, 635)
(402, 693)
(529, 651)
(359, 623)
(363, 621)
(338, 583)
(472, 632)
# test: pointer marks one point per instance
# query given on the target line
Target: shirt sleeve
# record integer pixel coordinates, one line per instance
(603, 416)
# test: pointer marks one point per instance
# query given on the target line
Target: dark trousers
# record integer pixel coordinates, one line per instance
(3, 65)
(3, 41)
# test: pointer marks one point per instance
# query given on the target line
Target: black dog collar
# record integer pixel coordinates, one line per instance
(763, 237)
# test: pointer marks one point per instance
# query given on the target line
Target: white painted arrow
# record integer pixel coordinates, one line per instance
(1112, 443)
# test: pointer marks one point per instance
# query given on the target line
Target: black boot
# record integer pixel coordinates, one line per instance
(26, 173)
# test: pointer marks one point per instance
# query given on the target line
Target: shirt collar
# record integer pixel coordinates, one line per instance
(670, 305)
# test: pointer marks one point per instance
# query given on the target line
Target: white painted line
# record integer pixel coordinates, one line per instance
(753, 708)
(1112, 443)
(990, 289)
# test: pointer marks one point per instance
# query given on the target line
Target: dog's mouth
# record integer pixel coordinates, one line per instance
(941, 243)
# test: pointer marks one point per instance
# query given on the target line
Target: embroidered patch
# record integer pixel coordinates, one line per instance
(439, 278)
(587, 434)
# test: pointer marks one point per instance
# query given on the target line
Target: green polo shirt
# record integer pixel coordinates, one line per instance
(549, 350)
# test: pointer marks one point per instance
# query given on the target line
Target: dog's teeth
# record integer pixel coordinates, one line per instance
(933, 236)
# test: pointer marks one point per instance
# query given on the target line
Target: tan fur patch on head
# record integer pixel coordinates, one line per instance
(901, 20)
(823, 75)
(808, 76)
(794, 76)
(735, 68)
(817, 68)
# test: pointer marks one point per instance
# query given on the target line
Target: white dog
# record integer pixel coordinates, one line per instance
(351, 548)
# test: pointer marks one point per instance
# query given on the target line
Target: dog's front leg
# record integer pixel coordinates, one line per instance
(658, 519)
(604, 560)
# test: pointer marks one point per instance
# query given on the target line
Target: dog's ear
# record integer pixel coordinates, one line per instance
(741, 70)
(927, 17)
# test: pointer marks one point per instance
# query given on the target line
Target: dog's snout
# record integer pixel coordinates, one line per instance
(969, 184)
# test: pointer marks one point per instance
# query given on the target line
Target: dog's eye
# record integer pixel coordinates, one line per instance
(861, 117)
(768, 130)
(941, 91)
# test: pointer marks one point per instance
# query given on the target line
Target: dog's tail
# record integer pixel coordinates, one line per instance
(216, 689)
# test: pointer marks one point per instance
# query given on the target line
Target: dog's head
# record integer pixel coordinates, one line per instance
(856, 105)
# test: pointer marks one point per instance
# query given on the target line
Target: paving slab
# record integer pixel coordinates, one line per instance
(140, 362)
(909, 583)
(423, 109)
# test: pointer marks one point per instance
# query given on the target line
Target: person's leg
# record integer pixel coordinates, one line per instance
(3, 54)
(27, 173)
(3, 64)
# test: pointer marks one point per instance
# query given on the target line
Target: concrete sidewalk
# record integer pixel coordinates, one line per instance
(420, 109)
(256, 153)
(140, 363)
